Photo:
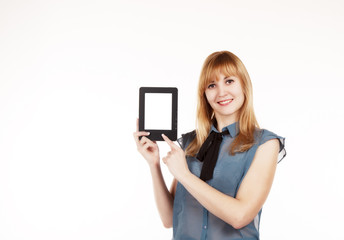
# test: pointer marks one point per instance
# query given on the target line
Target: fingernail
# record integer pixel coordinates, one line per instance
(148, 133)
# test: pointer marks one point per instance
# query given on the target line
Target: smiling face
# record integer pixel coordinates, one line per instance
(225, 96)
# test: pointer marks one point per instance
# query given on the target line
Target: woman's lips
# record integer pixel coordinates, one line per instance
(225, 102)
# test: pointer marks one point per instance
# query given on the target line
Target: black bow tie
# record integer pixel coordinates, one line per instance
(209, 152)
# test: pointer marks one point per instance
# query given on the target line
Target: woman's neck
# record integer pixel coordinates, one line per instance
(224, 121)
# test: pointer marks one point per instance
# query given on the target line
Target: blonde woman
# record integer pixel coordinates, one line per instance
(224, 169)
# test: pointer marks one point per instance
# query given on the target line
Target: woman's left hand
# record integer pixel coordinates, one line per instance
(175, 160)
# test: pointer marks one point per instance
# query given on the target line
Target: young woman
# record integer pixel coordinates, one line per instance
(224, 169)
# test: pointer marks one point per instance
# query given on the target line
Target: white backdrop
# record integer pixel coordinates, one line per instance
(70, 72)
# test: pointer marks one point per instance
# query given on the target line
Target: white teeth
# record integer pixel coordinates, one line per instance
(224, 102)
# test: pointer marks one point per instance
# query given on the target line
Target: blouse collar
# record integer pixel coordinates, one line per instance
(233, 129)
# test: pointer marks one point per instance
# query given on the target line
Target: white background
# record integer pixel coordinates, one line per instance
(70, 72)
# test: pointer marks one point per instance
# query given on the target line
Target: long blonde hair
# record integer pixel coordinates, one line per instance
(230, 65)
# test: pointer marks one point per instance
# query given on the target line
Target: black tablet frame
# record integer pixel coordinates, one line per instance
(155, 134)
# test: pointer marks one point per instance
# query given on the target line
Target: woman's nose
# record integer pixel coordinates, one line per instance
(222, 91)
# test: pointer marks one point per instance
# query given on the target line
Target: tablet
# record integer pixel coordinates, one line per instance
(158, 112)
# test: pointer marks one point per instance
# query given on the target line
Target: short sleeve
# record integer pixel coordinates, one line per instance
(186, 138)
(267, 135)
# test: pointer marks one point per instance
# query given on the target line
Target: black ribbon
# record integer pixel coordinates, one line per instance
(209, 152)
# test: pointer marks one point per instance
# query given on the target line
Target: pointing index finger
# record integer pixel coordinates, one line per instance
(169, 142)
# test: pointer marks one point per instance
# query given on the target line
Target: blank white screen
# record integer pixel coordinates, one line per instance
(158, 111)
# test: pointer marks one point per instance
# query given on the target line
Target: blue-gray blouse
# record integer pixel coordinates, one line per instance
(191, 220)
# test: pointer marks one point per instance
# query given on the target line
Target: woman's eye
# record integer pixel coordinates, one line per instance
(229, 81)
(211, 86)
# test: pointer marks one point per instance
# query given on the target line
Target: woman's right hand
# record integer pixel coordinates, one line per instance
(149, 149)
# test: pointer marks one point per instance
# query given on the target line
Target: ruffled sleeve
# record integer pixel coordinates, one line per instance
(267, 135)
(186, 138)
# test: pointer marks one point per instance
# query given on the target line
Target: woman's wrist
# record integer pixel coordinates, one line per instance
(182, 177)
(154, 165)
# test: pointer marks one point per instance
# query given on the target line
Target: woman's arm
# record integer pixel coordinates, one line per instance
(251, 195)
(163, 198)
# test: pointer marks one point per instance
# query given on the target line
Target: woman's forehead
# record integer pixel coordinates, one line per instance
(221, 73)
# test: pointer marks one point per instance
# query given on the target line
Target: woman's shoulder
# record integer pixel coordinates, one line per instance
(186, 138)
(264, 135)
